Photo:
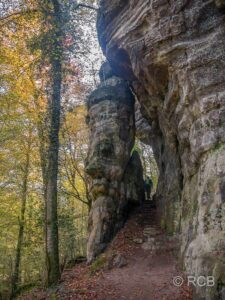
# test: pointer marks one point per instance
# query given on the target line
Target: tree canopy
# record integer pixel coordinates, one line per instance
(47, 68)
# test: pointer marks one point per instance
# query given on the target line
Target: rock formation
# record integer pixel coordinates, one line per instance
(117, 177)
(173, 55)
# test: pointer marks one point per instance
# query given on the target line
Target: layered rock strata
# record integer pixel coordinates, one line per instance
(173, 54)
(117, 177)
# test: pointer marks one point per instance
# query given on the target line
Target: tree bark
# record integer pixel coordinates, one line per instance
(52, 249)
(16, 272)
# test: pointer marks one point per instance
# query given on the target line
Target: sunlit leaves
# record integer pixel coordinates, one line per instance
(30, 41)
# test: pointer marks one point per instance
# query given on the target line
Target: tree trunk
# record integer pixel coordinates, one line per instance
(52, 249)
(15, 275)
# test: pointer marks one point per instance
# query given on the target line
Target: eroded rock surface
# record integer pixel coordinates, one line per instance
(117, 177)
(173, 53)
(144, 130)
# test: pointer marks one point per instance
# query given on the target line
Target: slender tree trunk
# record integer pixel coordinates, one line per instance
(52, 249)
(43, 159)
(16, 271)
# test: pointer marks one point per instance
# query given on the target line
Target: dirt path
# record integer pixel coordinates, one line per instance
(150, 270)
(140, 264)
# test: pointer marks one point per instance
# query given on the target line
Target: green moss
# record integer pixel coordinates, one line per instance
(26, 288)
(53, 296)
(73, 262)
(162, 223)
(219, 147)
(98, 264)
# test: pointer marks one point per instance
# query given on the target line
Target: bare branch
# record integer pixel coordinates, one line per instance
(74, 195)
(86, 6)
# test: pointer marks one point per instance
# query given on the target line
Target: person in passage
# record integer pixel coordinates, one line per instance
(148, 187)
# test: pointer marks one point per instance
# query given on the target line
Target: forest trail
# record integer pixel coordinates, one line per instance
(140, 264)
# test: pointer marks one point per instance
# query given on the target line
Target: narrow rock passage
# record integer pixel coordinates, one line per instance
(149, 273)
(145, 269)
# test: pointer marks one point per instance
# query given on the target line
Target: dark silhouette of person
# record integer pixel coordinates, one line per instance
(148, 187)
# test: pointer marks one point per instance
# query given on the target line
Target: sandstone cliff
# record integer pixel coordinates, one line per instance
(173, 55)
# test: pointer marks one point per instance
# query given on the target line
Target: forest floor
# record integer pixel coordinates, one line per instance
(140, 264)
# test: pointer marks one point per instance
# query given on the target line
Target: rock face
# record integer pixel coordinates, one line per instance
(133, 179)
(144, 131)
(113, 171)
(173, 54)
